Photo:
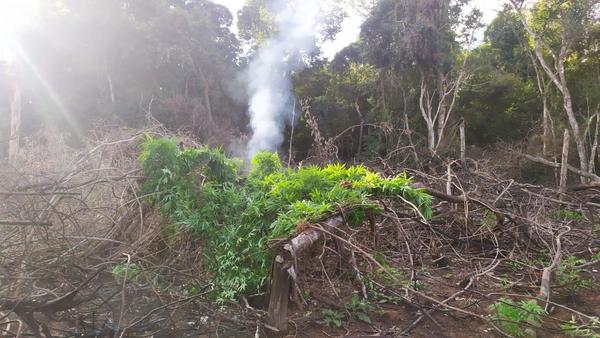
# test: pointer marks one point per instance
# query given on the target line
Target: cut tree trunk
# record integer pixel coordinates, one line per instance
(284, 270)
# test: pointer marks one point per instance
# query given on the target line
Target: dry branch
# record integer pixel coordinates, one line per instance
(547, 272)
(22, 222)
(38, 193)
(557, 165)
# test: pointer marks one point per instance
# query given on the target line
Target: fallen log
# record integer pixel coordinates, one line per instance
(540, 160)
(284, 269)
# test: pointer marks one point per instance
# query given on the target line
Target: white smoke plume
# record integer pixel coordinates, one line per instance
(269, 84)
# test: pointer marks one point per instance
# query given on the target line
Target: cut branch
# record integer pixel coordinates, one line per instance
(557, 165)
(283, 268)
(21, 222)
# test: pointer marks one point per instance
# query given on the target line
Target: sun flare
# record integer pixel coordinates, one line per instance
(14, 16)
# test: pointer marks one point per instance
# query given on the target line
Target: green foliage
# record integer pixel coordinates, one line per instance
(517, 319)
(388, 275)
(589, 330)
(569, 215)
(311, 192)
(130, 271)
(332, 318)
(417, 285)
(499, 105)
(359, 308)
(381, 296)
(568, 275)
(489, 220)
(264, 164)
(200, 190)
(158, 160)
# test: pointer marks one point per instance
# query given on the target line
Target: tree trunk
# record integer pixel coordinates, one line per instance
(579, 141)
(15, 125)
(284, 268)
(278, 299)
(360, 129)
(442, 110)
(425, 108)
(431, 138)
(545, 125)
(548, 129)
(206, 93)
(463, 141)
(564, 164)
(109, 81)
(407, 127)
(559, 79)
(594, 151)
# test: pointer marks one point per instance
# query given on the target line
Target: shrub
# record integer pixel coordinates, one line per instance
(130, 271)
(332, 318)
(568, 275)
(359, 308)
(517, 319)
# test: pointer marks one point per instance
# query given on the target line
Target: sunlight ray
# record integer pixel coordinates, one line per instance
(52, 94)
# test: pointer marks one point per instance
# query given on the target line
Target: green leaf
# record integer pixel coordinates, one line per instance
(363, 317)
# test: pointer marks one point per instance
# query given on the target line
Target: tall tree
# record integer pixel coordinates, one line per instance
(555, 27)
(423, 38)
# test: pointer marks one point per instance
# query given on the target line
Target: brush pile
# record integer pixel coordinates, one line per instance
(140, 235)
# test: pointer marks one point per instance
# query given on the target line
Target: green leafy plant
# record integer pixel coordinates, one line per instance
(569, 215)
(130, 271)
(332, 318)
(505, 281)
(359, 308)
(489, 220)
(380, 296)
(569, 276)
(387, 274)
(417, 285)
(517, 319)
(201, 190)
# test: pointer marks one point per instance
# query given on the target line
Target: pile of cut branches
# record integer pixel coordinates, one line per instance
(81, 255)
(139, 235)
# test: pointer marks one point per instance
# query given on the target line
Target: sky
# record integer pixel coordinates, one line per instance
(351, 25)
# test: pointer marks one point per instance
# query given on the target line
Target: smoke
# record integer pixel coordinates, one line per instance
(269, 83)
